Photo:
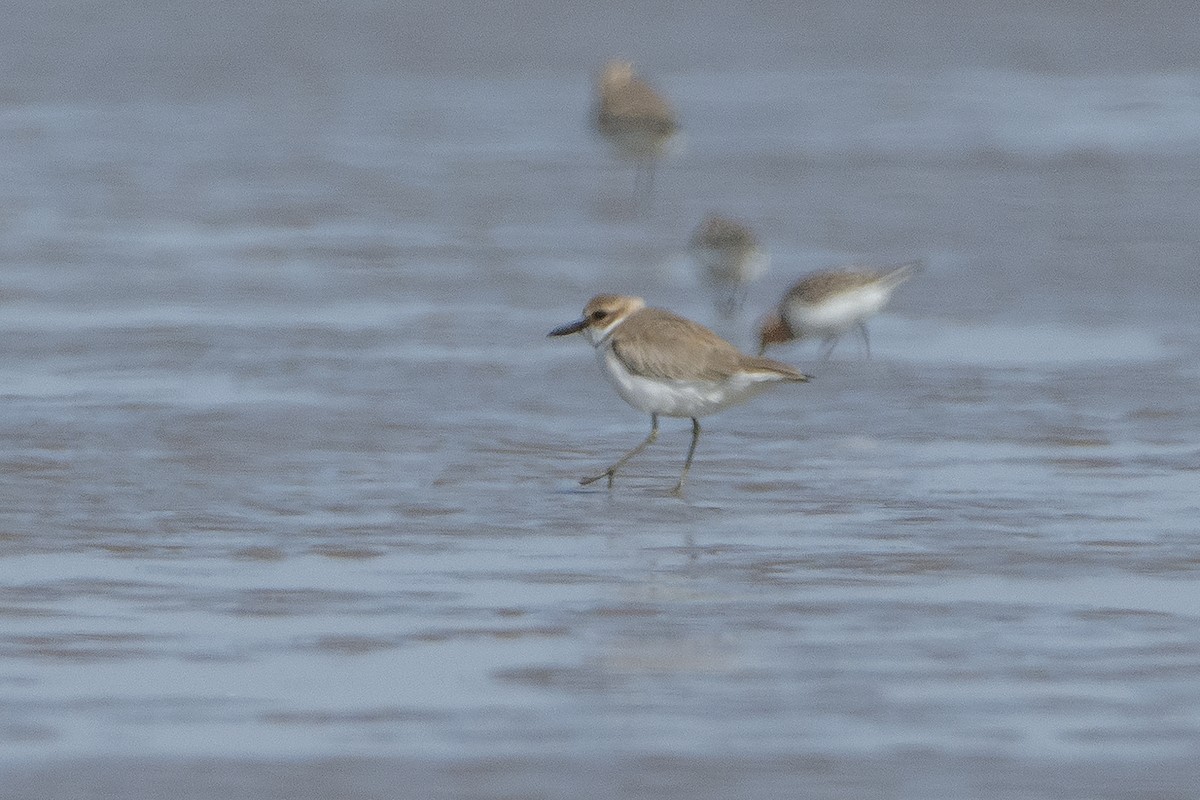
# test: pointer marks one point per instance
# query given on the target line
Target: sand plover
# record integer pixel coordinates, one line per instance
(827, 304)
(666, 365)
(635, 119)
(730, 258)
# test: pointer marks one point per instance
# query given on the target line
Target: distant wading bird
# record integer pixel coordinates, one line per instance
(666, 365)
(730, 258)
(827, 304)
(635, 119)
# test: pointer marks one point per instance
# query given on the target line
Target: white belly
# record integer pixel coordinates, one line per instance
(838, 314)
(731, 265)
(676, 398)
(634, 142)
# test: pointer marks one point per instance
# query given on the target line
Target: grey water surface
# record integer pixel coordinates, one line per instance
(288, 467)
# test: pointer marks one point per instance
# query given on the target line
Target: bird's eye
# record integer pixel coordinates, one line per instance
(599, 315)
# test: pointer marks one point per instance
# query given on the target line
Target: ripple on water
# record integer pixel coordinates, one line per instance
(1005, 345)
(81, 647)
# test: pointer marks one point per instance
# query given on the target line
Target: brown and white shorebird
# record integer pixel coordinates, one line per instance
(827, 304)
(730, 258)
(666, 365)
(635, 119)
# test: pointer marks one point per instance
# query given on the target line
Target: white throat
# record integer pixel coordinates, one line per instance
(599, 336)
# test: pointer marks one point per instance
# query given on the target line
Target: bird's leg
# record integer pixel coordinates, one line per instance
(644, 185)
(739, 298)
(678, 490)
(827, 345)
(734, 300)
(612, 471)
(727, 303)
(862, 329)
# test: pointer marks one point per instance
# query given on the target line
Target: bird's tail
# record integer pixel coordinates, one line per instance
(898, 275)
(776, 369)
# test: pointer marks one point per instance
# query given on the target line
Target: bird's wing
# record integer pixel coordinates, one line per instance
(655, 343)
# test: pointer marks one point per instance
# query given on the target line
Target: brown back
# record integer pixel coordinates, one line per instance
(627, 102)
(655, 343)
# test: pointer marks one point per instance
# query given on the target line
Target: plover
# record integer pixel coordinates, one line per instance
(666, 365)
(827, 304)
(730, 259)
(635, 119)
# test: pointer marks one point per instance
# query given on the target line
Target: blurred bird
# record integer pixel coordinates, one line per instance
(827, 304)
(635, 119)
(728, 253)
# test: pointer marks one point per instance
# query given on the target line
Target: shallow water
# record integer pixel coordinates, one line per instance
(289, 469)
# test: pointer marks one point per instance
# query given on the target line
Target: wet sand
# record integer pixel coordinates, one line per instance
(289, 468)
